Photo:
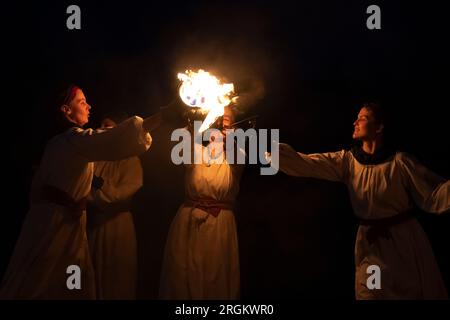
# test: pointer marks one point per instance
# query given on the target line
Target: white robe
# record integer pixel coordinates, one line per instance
(408, 267)
(112, 236)
(201, 256)
(53, 238)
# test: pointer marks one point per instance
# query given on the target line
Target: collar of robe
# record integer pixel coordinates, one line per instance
(383, 154)
(66, 125)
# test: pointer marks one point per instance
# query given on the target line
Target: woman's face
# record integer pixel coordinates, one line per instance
(365, 126)
(78, 109)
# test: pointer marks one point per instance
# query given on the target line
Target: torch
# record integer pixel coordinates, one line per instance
(207, 93)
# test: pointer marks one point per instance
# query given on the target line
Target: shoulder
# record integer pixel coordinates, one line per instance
(133, 161)
(77, 131)
(340, 154)
(133, 121)
(345, 156)
(68, 134)
(408, 163)
(405, 158)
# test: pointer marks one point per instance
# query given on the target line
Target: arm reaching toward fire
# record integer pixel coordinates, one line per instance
(328, 166)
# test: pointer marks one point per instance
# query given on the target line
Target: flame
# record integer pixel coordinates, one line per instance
(203, 90)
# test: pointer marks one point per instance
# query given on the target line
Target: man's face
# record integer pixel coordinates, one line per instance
(365, 126)
(78, 109)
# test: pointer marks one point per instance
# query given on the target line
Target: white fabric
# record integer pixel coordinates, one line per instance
(408, 267)
(201, 258)
(53, 238)
(112, 236)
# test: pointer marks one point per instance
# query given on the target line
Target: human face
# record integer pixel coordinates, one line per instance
(365, 126)
(228, 117)
(77, 110)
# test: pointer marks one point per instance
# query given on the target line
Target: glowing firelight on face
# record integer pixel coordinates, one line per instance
(203, 90)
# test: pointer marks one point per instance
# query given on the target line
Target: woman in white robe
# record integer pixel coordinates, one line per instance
(383, 187)
(201, 256)
(111, 232)
(53, 236)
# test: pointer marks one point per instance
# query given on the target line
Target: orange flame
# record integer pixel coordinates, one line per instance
(203, 90)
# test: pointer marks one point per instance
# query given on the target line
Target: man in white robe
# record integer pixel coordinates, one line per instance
(383, 187)
(112, 236)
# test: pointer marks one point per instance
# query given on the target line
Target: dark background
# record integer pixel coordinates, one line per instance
(316, 61)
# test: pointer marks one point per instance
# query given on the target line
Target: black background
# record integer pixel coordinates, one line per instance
(317, 62)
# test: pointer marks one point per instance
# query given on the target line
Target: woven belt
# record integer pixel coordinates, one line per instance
(212, 206)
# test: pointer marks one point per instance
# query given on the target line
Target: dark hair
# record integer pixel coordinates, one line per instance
(384, 117)
(67, 94)
(64, 96)
(378, 112)
(194, 114)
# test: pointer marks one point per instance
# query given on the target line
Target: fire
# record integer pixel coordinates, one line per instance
(203, 90)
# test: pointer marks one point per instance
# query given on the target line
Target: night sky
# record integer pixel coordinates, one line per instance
(316, 62)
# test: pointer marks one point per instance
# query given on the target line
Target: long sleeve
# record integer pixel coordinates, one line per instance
(328, 166)
(126, 140)
(117, 191)
(429, 191)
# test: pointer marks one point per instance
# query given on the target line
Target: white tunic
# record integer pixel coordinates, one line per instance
(53, 238)
(112, 236)
(404, 255)
(201, 257)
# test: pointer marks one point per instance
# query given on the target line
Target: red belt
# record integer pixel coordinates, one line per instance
(212, 206)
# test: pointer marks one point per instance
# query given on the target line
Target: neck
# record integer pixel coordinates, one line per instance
(371, 146)
(72, 121)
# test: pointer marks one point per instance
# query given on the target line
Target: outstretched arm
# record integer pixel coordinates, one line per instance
(428, 190)
(130, 138)
(328, 166)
